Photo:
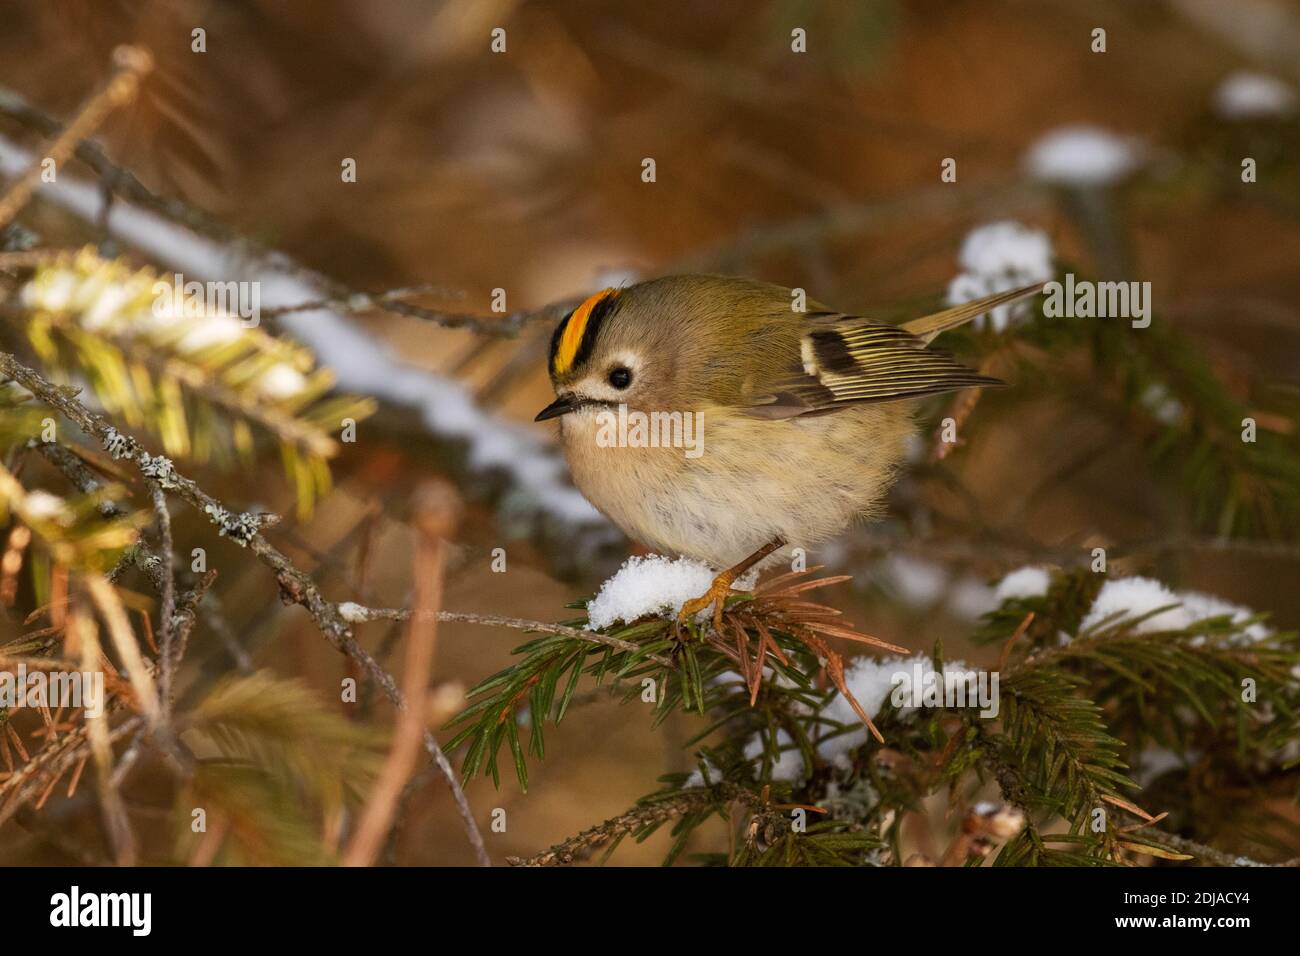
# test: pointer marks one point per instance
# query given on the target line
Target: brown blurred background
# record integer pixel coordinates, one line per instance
(522, 171)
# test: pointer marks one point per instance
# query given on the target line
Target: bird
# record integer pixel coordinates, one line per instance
(798, 419)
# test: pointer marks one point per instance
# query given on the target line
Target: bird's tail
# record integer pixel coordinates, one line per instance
(927, 327)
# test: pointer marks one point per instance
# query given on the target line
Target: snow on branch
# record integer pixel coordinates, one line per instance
(537, 487)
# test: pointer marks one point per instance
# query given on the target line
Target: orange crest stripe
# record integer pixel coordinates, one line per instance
(574, 330)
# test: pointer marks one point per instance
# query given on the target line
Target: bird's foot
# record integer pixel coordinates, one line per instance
(720, 589)
(716, 595)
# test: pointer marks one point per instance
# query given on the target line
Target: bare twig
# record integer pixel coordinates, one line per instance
(186, 615)
(361, 301)
(116, 823)
(437, 515)
(357, 614)
(167, 656)
(215, 617)
(339, 296)
(128, 648)
(132, 64)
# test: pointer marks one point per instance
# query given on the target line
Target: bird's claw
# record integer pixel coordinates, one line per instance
(716, 595)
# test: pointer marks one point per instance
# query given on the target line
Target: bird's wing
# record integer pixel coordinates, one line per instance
(848, 360)
(928, 326)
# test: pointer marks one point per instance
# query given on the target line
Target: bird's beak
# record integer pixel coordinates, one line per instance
(561, 406)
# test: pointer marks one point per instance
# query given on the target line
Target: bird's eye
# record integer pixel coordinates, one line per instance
(620, 377)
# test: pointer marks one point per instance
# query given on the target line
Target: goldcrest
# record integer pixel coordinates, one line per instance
(794, 422)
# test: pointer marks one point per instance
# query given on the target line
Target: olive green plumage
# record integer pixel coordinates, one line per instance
(804, 414)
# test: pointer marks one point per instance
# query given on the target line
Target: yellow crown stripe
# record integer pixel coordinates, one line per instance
(571, 339)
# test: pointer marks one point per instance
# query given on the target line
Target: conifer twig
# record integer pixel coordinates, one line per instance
(358, 613)
(296, 586)
(638, 818)
(68, 751)
(87, 482)
(57, 758)
(1208, 854)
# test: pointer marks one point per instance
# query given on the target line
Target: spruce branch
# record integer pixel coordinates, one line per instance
(1208, 854)
(198, 376)
(37, 777)
(357, 613)
(774, 631)
(1066, 760)
(221, 251)
(84, 479)
(643, 818)
(295, 585)
(1234, 486)
(769, 838)
(277, 767)
(121, 181)
(73, 530)
(39, 774)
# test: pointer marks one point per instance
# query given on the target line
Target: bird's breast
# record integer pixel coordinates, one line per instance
(733, 482)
